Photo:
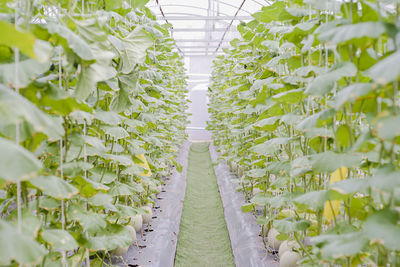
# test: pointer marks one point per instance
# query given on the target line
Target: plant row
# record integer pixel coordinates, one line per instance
(92, 115)
(305, 109)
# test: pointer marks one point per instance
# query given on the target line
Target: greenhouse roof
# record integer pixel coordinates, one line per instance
(204, 27)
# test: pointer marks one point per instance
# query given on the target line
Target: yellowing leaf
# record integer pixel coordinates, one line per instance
(338, 175)
(331, 208)
(145, 165)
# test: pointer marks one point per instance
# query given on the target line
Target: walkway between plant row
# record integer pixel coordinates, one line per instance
(203, 238)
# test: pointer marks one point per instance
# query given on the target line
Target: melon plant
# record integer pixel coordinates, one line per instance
(92, 114)
(306, 104)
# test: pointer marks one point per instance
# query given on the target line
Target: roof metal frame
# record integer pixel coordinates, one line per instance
(199, 41)
(200, 17)
(215, 21)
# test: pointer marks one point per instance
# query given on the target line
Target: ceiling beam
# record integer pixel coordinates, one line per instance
(194, 17)
(200, 46)
(230, 24)
(200, 41)
(201, 30)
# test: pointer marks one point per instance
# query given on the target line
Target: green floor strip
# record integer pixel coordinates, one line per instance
(203, 237)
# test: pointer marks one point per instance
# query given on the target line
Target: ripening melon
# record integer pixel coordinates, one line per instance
(147, 216)
(137, 222)
(132, 231)
(272, 240)
(288, 245)
(120, 251)
(289, 259)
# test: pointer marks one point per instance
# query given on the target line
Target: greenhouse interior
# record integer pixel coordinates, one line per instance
(200, 133)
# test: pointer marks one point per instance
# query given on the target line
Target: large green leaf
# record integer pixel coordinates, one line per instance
(388, 127)
(17, 163)
(19, 247)
(89, 220)
(386, 70)
(289, 225)
(13, 107)
(108, 117)
(314, 199)
(289, 97)
(135, 45)
(110, 238)
(73, 40)
(382, 227)
(24, 41)
(28, 71)
(351, 93)
(338, 246)
(115, 131)
(54, 187)
(324, 83)
(59, 239)
(86, 83)
(330, 161)
(275, 12)
(352, 31)
(385, 178)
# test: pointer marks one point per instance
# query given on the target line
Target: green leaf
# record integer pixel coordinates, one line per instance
(74, 41)
(135, 45)
(350, 186)
(275, 12)
(89, 220)
(87, 187)
(110, 238)
(352, 93)
(28, 71)
(289, 97)
(382, 227)
(115, 131)
(324, 83)
(290, 225)
(76, 167)
(338, 246)
(120, 189)
(353, 31)
(24, 41)
(139, 3)
(126, 211)
(19, 247)
(314, 199)
(17, 163)
(108, 117)
(330, 161)
(59, 239)
(13, 107)
(113, 4)
(386, 70)
(386, 178)
(54, 187)
(247, 207)
(124, 160)
(86, 83)
(388, 127)
(343, 135)
(314, 120)
(101, 199)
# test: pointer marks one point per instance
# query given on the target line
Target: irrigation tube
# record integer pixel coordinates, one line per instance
(157, 248)
(247, 246)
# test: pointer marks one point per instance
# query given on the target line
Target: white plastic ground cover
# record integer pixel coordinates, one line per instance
(158, 247)
(247, 246)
